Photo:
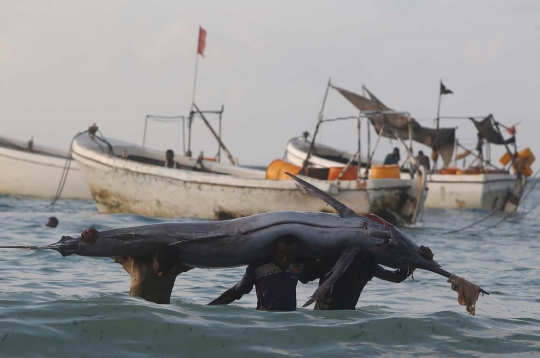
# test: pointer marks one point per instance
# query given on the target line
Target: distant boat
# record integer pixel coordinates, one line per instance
(323, 156)
(34, 170)
(487, 191)
(448, 188)
(129, 178)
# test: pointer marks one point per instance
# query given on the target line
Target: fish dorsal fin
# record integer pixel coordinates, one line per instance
(343, 210)
(377, 219)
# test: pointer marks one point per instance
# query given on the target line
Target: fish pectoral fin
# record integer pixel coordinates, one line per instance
(343, 210)
(342, 264)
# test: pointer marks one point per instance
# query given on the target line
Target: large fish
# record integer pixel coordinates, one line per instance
(246, 240)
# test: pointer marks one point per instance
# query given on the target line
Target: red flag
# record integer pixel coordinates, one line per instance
(202, 41)
(511, 130)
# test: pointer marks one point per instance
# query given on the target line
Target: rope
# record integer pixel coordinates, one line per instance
(506, 216)
(339, 119)
(473, 224)
(65, 172)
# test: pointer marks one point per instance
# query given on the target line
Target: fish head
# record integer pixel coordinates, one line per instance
(66, 246)
(400, 252)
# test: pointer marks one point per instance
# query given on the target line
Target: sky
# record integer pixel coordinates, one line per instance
(67, 64)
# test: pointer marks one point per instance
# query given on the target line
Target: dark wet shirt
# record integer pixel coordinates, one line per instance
(391, 159)
(276, 289)
(423, 160)
(345, 293)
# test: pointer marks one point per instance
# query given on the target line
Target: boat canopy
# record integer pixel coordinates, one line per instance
(487, 130)
(401, 123)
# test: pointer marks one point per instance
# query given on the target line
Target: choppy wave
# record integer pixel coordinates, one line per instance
(76, 306)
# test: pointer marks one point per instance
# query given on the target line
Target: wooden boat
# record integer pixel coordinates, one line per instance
(472, 188)
(34, 170)
(460, 190)
(128, 178)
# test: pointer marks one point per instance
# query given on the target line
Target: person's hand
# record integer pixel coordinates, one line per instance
(89, 236)
(426, 253)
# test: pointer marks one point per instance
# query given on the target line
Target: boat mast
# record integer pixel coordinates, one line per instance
(229, 155)
(438, 145)
(319, 121)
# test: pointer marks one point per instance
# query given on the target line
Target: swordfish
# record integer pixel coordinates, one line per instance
(246, 240)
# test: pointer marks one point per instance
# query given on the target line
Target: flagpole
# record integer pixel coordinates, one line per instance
(438, 135)
(191, 112)
(195, 79)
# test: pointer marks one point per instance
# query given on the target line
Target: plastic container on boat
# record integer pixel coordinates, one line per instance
(350, 174)
(277, 169)
(384, 172)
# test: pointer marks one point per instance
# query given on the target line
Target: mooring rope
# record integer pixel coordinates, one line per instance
(506, 216)
(474, 223)
(65, 172)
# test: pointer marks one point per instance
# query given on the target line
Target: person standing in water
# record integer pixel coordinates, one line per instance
(345, 293)
(152, 278)
(275, 280)
(52, 222)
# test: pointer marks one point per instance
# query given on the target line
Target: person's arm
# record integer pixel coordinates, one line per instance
(237, 291)
(313, 270)
(126, 262)
(400, 275)
(179, 268)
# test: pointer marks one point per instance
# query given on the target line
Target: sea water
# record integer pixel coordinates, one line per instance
(80, 306)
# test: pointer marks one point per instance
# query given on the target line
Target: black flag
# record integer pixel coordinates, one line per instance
(445, 90)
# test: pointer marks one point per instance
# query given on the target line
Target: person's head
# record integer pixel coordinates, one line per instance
(169, 154)
(164, 260)
(53, 222)
(396, 151)
(420, 153)
(285, 251)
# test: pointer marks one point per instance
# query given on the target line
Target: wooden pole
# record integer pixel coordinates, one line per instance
(359, 143)
(219, 148)
(308, 155)
(190, 121)
(195, 79)
(144, 135)
(229, 155)
(438, 135)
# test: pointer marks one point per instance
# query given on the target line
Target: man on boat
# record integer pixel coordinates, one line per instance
(275, 280)
(169, 160)
(346, 291)
(423, 160)
(152, 278)
(392, 158)
(52, 222)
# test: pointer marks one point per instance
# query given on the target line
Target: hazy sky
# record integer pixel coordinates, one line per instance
(67, 64)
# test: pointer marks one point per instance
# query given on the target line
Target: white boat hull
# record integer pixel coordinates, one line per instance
(38, 175)
(126, 186)
(477, 191)
(445, 191)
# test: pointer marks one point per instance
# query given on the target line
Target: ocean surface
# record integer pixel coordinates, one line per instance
(58, 306)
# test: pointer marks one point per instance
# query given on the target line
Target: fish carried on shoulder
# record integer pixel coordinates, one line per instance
(250, 239)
